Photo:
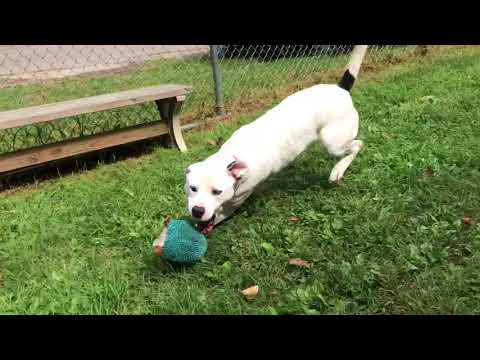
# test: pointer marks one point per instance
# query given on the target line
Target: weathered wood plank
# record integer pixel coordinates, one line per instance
(49, 112)
(170, 113)
(43, 154)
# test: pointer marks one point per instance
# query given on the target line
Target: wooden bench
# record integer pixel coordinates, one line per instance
(168, 98)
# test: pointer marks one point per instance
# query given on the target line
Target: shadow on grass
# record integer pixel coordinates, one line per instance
(279, 185)
(156, 265)
(57, 169)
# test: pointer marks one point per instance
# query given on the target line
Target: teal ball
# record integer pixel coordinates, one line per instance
(183, 244)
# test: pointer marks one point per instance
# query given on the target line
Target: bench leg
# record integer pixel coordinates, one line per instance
(170, 113)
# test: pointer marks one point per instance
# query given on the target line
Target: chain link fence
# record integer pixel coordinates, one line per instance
(225, 79)
(253, 74)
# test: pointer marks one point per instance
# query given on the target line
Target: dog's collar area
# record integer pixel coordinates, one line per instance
(236, 185)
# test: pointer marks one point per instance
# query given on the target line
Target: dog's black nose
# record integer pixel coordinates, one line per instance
(198, 212)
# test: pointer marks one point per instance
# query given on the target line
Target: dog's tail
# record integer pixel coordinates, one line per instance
(350, 75)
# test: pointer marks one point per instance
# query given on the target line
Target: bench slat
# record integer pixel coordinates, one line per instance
(42, 154)
(49, 112)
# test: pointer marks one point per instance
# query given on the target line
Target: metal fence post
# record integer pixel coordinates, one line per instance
(219, 109)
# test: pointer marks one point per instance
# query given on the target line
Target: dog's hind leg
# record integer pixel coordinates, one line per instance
(339, 139)
(350, 154)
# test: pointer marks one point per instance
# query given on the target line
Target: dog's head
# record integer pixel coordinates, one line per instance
(211, 183)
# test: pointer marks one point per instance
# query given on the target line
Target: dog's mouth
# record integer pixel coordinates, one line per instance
(205, 227)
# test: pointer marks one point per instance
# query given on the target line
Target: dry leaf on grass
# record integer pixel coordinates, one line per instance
(217, 142)
(294, 219)
(468, 221)
(430, 99)
(250, 292)
(428, 172)
(158, 250)
(300, 263)
(167, 220)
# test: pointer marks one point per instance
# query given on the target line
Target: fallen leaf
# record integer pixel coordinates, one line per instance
(167, 220)
(250, 292)
(387, 136)
(294, 218)
(217, 142)
(300, 263)
(428, 172)
(468, 221)
(430, 99)
(158, 250)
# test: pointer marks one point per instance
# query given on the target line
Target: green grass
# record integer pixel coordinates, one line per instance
(389, 239)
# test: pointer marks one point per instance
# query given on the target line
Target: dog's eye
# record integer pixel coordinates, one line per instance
(193, 188)
(216, 192)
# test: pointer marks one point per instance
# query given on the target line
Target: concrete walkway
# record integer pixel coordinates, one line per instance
(26, 63)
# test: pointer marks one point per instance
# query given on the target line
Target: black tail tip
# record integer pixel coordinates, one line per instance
(347, 81)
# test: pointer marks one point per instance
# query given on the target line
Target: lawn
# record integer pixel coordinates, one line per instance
(400, 234)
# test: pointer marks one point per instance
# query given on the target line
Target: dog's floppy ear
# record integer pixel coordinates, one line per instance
(187, 170)
(237, 168)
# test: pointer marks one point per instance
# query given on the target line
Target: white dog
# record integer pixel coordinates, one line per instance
(217, 186)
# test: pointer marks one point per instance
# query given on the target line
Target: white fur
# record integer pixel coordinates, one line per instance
(356, 59)
(322, 113)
